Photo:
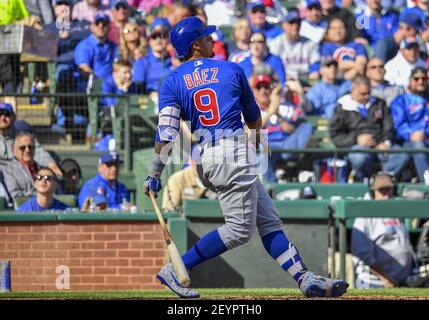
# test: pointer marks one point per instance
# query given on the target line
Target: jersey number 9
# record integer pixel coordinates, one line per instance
(205, 101)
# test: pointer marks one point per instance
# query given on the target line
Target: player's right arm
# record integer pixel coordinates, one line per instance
(166, 133)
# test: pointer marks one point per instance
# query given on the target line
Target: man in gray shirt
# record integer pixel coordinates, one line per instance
(381, 88)
(7, 136)
(381, 247)
(18, 172)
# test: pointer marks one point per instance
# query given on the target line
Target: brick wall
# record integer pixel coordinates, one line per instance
(101, 255)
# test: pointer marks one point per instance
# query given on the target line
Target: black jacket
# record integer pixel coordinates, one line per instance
(347, 123)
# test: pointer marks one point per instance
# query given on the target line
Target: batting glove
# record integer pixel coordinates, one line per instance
(152, 184)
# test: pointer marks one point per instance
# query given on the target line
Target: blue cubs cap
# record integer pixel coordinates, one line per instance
(408, 42)
(160, 22)
(66, 2)
(186, 32)
(108, 157)
(101, 16)
(411, 19)
(313, 4)
(7, 106)
(117, 3)
(256, 7)
(292, 16)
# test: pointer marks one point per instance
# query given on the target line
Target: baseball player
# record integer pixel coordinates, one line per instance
(214, 96)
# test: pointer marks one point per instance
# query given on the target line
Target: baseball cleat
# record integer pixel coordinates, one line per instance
(168, 277)
(317, 286)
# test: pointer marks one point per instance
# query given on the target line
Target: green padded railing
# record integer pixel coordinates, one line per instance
(295, 209)
(326, 191)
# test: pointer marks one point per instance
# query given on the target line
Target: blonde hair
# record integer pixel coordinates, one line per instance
(124, 52)
(238, 23)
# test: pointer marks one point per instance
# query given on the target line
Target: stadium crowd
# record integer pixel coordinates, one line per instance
(361, 65)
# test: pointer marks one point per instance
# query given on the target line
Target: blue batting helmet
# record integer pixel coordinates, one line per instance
(186, 32)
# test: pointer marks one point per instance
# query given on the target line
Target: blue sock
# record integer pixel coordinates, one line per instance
(278, 247)
(209, 246)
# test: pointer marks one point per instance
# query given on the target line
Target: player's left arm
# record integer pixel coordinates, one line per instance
(166, 134)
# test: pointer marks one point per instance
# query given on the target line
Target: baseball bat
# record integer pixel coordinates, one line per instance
(176, 258)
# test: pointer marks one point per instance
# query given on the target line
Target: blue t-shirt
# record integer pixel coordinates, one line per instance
(152, 71)
(376, 28)
(270, 31)
(410, 113)
(99, 56)
(109, 87)
(98, 185)
(210, 94)
(347, 52)
(31, 205)
(273, 61)
(324, 96)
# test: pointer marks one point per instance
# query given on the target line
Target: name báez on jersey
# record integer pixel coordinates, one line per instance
(201, 77)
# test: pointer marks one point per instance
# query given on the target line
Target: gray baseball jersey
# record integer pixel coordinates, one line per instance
(297, 57)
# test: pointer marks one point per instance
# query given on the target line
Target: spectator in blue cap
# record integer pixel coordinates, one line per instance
(120, 15)
(299, 55)
(376, 23)
(421, 9)
(313, 27)
(258, 21)
(95, 54)
(88, 9)
(106, 182)
(410, 24)
(152, 69)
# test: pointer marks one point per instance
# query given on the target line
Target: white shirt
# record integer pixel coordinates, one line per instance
(398, 70)
(312, 31)
(296, 57)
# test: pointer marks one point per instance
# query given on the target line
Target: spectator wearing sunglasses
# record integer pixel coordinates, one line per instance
(45, 184)
(261, 55)
(95, 54)
(7, 137)
(381, 88)
(106, 182)
(258, 21)
(88, 9)
(151, 70)
(410, 117)
(132, 43)
(20, 172)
